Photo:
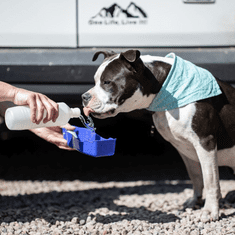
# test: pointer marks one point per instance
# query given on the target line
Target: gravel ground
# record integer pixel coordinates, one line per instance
(89, 207)
(133, 192)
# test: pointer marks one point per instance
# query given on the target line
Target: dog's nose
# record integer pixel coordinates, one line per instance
(86, 97)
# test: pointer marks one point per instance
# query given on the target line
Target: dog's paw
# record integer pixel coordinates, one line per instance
(193, 202)
(207, 216)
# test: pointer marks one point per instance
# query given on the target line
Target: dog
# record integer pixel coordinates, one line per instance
(202, 131)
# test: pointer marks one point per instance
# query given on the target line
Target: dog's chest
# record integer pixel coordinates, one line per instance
(176, 127)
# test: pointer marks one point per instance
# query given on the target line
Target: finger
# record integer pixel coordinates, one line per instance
(69, 127)
(53, 110)
(33, 108)
(61, 143)
(66, 148)
(49, 108)
(64, 145)
(40, 110)
(56, 129)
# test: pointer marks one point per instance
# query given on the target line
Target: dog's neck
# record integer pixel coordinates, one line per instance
(159, 67)
(156, 72)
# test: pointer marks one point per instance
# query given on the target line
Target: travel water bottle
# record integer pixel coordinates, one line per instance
(18, 117)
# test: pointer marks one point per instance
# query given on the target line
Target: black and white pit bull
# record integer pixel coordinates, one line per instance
(203, 131)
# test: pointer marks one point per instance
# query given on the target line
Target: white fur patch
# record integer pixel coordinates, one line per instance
(102, 67)
(99, 102)
(176, 127)
(100, 96)
(137, 101)
(151, 59)
(100, 93)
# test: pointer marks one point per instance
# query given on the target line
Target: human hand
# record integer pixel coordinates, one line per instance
(54, 135)
(37, 103)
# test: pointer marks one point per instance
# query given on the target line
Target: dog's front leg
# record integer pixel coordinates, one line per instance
(209, 165)
(195, 173)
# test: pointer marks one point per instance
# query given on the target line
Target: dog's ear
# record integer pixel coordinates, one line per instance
(131, 55)
(105, 53)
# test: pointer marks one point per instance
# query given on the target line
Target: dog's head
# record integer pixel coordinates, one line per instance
(118, 85)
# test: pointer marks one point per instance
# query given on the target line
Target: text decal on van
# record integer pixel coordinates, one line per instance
(116, 15)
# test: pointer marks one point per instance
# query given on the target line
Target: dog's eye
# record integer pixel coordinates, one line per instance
(106, 82)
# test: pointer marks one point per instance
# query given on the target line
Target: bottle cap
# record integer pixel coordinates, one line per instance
(76, 112)
(9, 119)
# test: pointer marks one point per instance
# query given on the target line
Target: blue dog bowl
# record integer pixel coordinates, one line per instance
(88, 142)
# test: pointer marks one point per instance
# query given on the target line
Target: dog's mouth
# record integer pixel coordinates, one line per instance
(87, 111)
(108, 113)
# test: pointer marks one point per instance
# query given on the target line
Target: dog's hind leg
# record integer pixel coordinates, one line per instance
(195, 174)
(230, 196)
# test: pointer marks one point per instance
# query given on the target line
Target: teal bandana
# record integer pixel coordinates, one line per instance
(185, 83)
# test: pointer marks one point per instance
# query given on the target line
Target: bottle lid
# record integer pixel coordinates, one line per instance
(76, 112)
(9, 119)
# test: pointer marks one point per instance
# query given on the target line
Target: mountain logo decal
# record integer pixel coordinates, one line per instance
(116, 15)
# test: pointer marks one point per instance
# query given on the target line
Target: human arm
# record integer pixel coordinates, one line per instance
(37, 102)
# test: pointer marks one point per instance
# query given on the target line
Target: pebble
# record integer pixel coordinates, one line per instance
(75, 220)
(82, 222)
(88, 219)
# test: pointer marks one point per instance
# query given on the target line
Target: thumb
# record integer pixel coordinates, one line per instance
(69, 127)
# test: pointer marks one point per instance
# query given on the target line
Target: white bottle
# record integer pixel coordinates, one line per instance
(18, 117)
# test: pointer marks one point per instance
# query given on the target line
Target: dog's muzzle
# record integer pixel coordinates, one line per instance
(86, 97)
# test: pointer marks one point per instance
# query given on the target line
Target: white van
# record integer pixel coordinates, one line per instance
(47, 45)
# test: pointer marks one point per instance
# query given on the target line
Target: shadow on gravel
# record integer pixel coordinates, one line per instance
(64, 206)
